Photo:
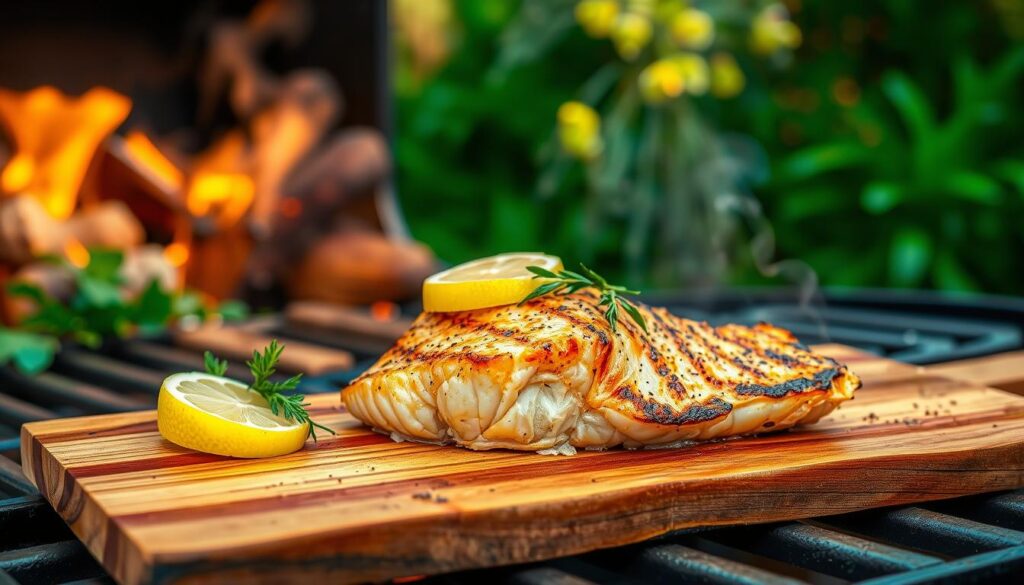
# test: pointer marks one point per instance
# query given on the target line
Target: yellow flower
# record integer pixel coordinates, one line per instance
(672, 76)
(692, 29)
(694, 70)
(661, 81)
(727, 78)
(579, 130)
(597, 17)
(631, 34)
(771, 31)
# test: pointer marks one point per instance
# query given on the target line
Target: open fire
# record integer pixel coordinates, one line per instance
(269, 196)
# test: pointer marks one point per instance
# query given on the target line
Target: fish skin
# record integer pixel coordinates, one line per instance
(550, 375)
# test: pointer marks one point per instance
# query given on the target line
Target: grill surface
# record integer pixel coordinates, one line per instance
(977, 539)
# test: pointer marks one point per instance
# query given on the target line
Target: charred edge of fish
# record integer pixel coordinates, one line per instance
(820, 381)
(662, 414)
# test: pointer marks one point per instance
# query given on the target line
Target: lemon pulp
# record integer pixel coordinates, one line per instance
(214, 414)
(486, 282)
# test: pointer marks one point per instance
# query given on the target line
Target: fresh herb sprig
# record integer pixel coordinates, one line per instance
(567, 281)
(262, 366)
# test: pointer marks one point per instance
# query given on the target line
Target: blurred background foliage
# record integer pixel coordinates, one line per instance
(886, 152)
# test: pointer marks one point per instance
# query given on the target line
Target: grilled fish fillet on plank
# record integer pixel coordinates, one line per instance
(550, 375)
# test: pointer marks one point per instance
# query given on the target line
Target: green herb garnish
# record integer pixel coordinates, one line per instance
(99, 308)
(262, 366)
(567, 281)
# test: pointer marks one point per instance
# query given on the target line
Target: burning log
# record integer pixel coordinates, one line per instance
(28, 231)
(360, 267)
(284, 133)
(314, 195)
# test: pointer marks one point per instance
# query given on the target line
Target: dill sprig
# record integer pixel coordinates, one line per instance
(567, 281)
(262, 366)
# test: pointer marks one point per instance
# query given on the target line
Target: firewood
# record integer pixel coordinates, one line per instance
(360, 267)
(313, 195)
(308, 104)
(28, 231)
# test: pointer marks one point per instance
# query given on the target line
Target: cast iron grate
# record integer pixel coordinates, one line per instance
(977, 539)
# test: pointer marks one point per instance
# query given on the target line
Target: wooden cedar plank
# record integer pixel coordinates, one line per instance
(358, 507)
(1004, 371)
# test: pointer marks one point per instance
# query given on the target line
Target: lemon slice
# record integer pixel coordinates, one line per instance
(487, 282)
(219, 415)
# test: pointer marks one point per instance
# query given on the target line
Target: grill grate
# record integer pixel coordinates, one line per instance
(972, 539)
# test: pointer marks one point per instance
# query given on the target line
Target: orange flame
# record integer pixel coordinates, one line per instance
(142, 150)
(77, 254)
(176, 254)
(220, 185)
(54, 138)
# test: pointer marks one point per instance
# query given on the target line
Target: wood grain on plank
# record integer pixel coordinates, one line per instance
(358, 506)
(1004, 371)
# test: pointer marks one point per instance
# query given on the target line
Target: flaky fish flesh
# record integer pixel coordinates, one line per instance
(550, 375)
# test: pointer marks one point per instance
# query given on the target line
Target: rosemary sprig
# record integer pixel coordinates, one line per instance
(567, 281)
(262, 366)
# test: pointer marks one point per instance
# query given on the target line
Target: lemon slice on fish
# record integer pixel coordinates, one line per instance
(214, 414)
(487, 282)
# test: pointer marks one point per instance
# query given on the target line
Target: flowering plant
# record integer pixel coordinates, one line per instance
(657, 171)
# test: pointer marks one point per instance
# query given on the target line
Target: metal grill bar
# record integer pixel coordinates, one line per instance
(546, 576)
(36, 523)
(16, 412)
(112, 373)
(998, 564)
(931, 531)
(50, 388)
(823, 550)
(50, 563)
(672, 562)
(167, 358)
(12, 481)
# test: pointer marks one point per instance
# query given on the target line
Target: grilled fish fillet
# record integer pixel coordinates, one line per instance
(551, 376)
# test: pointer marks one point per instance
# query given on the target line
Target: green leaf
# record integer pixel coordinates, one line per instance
(611, 313)
(213, 365)
(31, 353)
(1012, 171)
(154, 305)
(974, 187)
(188, 303)
(880, 197)
(541, 272)
(951, 275)
(105, 265)
(638, 318)
(911, 103)
(909, 257)
(232, 310)
(816, 160)
(544, 289)
(95, 292)
(27, 290)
